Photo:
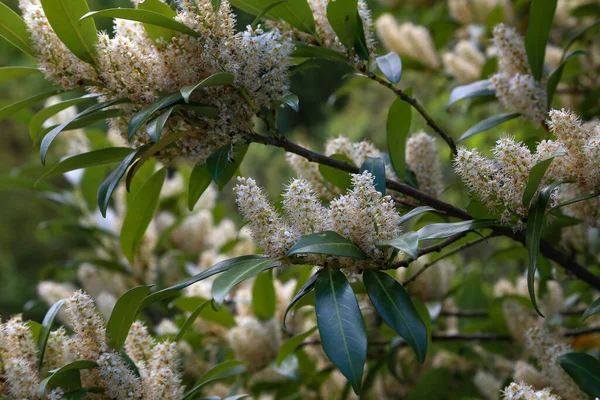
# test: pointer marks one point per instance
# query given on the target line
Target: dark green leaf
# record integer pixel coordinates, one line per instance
(342, 329)
(63, 379)
(92, 118)
(290, 345)
(393, 304)
(200, 179)
(263, 296)
(537, 174)
(556, 76)
(156, 32)
(139, 214)
(123, 315)
(221, 316)
(14, 30)
(342, 18)
(8, 73)
(360, 45)
(295, 12)
(445, 230)
(292, 101)
(10, 109)
(190, 320)
(592, 309)
(407, 242)
(223, 370)
(581, 33)
(217, 162)
(398, 127)
(583, 368)
(302, 50)
(264, 12)
(155, 127)
(391, 66)
(541, 15)
(413, 213)
(237, 274)
(304, 290)
(335, 176)
(216, 79)
(488, 123)
(329, 243)
(376, 167)
(475, 89)
(37, 121)
(45, 330)
(141, 117)
(239, 152)
(79, 36)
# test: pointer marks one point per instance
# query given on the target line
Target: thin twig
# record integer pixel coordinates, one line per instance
(484, 313)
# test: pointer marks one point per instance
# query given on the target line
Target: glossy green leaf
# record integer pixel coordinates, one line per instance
(217, 162)
(8, 73)
(79, 36)
(221, 315)
(292, 101)
(541, 15)
(50, 136)
(82, 122)
(63, 377)
(235, 160)
(537, 174)
(45, 330)
(445, 230)
(190, 320)
(395, 307)
(413, 213)
(108, 186)
(475, 89)
(376, 166)
(302, 50)
(556, 76)
(583, 368)
(329, 243)
(140, 212)
(592, 309)
(141, 117)
(155, 127)
(264, 301)
(10, 109)
(290, 345)
(37, 121)
(216, 79)
(219, 267)
(391, 66)
(123, 315)
(341, 326)
(398, 128)
(407, 242)
(488, 123)
(342, 18)
(336, 177)
(156, 32)
(237, 274)
(308, 287)
(223, 370)
(295, 12)
(14, 30)
(360, 45)
(264, 12)
(533, 235)
(200, 180)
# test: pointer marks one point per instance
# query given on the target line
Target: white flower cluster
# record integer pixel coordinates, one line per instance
(422, 158)
(515, 88)
(408, 40)
(465, 62)
(362, 215)
(473, 12)
(521, 391)
(500, 182)
(487, 384)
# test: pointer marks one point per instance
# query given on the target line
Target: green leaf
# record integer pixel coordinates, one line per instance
(292, 101)
(342, 329)
(342, 18)
(541, 16)
(8, 73)
(219, 267)
(217, 162)
(475, 89)
(290, 345)
(10, 109)
(308, 287)
(216, 79)
(221, 316)
(445, 230)
(413, 213)
(295, 12)
(14, 30)
(139, 214)
(190, 320)
(592, 309)
(264, 12)
(82, 122)
(487, 123)
(123, 315)
(156, 32)
(340, 179)
(302, 50)
(537, 174)
(239, 152)
(141, 117)
(376, 167)
(398, 127)
(37, 121)
(391, 66)
(45, 330)
(223, 370)
(583, 368)
(66, 377)
(263, 296)
(145, 16)
(200, 180)
(360, 45)
(533, 235)
(329, 243)
(155, 127)
(556, 76)
(237, 274)
(407, 242)
(108, 186)
(79, 36)
(50, 136)
(393, 304)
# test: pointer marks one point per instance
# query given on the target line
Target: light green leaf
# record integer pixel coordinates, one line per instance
(398, 127)
(413, 213)
(592, 309)
(445, 230)
(237, 274)
(336, 177)
(407, 242)
(556, 76)
(223, 370)
(475, 89)
(79, 36)
(393, 304)
(290, 345)
(123, 315)
(341, 326)
(488, 123)
(82, 122)
(329, 243)
(37, 121)
(156, 32)
(141, 117)
(391, 66)
(10, 109)
(308, 287)
(200, 179)
(8, 73)
(342, 18)
(295, 12)
(537, 174)
(45, 330)
(66, 377)
(376, 167)
(216, 79)
(263, 296)
(14, 30)
(541, 15)
(583, 368)
(190, 320)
